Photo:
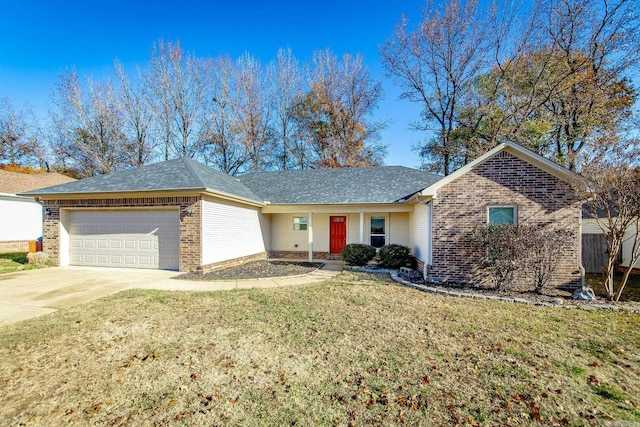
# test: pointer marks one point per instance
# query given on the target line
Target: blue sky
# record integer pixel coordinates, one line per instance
(43, 38)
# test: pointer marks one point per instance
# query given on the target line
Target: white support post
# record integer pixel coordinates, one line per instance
(361, 227)
(310, 230)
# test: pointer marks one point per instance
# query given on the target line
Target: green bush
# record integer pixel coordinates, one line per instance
(395, 256)
(358, 254)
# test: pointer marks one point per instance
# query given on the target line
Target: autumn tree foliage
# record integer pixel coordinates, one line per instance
(552, 75)
(333, 114)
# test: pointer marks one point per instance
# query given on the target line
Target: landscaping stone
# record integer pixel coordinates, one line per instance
(584, 294)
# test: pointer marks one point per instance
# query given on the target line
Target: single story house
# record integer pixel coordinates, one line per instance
(20, 216)
(186, 216)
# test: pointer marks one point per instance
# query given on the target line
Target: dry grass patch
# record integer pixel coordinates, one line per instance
(354, 350)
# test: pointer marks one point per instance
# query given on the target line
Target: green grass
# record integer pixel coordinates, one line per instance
(14, 261)
(631, 291)
(354, 350)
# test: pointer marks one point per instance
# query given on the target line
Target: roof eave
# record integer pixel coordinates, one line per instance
(145, 193)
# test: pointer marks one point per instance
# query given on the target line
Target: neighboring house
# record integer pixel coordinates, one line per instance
(183, 215)
(21, 217)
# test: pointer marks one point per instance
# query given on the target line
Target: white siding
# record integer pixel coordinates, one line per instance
(398, 228)
(627, 247)
(229, 232)
(420, 231)
(20, 219)
(590, 226)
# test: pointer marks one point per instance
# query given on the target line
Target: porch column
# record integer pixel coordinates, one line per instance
(310, 232)
(361, 227)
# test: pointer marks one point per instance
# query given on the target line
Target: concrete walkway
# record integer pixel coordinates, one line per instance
(27, 294)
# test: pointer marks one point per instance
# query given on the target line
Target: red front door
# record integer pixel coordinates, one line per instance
(337, 233)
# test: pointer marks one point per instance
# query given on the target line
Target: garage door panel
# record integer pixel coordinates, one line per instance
(134, 238)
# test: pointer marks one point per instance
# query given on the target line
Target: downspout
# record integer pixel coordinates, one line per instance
(583, 272)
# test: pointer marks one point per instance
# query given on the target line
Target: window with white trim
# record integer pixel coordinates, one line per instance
(300, 223)
(498, 215)
(378, 231)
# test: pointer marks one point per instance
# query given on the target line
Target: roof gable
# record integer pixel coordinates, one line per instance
(518, 151)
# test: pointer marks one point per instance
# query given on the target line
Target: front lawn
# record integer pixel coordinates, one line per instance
(354, 350)
(14, 261)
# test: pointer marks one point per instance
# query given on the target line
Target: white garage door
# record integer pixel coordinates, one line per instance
(125, 238)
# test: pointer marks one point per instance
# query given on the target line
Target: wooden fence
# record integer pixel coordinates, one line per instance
(594, 252)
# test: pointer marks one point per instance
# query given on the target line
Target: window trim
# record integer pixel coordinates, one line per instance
(386, 228)
(300, 223)
(515, 213)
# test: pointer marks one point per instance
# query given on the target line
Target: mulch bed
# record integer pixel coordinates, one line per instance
(256, 270)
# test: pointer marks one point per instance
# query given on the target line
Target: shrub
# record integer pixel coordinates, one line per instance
(358, 254)
(395, 256)
(511, 249)
(37, 258)
(503, 249)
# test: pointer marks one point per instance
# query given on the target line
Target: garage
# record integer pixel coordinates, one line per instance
(132, 238)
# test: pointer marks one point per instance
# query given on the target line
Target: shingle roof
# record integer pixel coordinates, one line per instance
(323, 186)
(339, 186)
(178, 174)
(18, 182)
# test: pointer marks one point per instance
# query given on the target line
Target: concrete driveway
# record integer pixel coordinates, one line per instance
(27, 294)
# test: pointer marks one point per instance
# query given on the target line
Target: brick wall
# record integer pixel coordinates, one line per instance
(190, 234)
(7, 246)
(504, 179)
(232, 262)
(297, 254)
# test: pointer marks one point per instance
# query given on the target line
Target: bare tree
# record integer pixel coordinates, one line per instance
(253, 110)
(178, 81)
(220, 135)
(286, 76)
(436, 65)
(138, 114)
(335, 113)
(89, 126)
(19, 145)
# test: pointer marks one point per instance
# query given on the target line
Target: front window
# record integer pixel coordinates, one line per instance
(502, 215)
(378, 231)
(299, 223)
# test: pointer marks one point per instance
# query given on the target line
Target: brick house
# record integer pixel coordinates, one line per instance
(185, 216)
(21, 217)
